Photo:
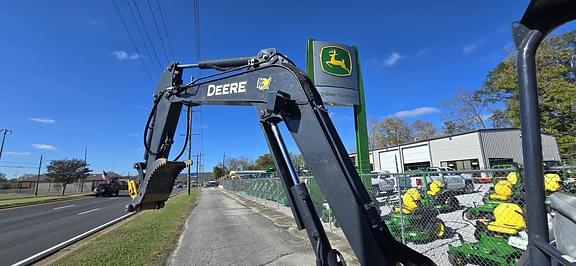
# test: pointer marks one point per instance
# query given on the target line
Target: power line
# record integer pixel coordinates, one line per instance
(197, 42)
(142, 27)
(140, 55)
(197, 28)
(158, 31)
(147, 34)
(166, 29)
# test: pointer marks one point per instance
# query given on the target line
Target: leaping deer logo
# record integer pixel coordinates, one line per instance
(335, 62)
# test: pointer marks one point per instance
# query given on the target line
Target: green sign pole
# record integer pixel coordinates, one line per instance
(362, 152)
(335, 71)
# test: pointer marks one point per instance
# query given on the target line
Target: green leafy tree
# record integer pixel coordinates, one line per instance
(264, 162)
(3, 177)
(556, 91)
(67, 171)
(217, 172)
(299, 162)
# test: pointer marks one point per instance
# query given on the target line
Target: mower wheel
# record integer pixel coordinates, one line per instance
(469, 187)
(452, 202)
(455, 260)
(375, 191)
(439, 229)
(468, 215)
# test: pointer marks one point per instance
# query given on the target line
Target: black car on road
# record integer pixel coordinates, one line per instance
(107, 190)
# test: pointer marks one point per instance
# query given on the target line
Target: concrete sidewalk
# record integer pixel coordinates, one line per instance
(221, 231)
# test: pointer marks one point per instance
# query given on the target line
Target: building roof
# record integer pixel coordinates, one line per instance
(449, 136)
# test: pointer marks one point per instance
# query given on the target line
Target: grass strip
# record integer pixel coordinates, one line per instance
(146, 239)
(10, 203)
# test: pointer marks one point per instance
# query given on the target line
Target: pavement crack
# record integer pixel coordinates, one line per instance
(277, 258)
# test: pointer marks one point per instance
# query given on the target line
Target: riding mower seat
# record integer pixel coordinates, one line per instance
(508, 219)
(552, 182)
(563, 207)
(504, 188)
(410, 201)
(434, 188)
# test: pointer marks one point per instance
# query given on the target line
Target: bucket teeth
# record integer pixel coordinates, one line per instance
(157, 185)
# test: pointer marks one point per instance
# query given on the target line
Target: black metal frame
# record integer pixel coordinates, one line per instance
(540, 18)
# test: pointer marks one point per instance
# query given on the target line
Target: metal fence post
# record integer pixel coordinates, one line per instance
(401, 209)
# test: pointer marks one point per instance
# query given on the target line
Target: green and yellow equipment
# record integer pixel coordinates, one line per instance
(415, 221)
(501, 240)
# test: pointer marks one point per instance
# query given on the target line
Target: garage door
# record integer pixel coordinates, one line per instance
(416, 154)
(387, 161)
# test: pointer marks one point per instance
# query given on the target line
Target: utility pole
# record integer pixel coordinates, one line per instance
(85, 155)
(5, 131)
(223, 165)
(197, 168)
(38, 177)
(189, 153)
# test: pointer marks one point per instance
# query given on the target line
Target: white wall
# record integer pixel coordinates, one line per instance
(461, 147)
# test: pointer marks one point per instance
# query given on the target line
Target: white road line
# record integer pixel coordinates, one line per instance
(42, 254)
(88, 211)
(63, 207)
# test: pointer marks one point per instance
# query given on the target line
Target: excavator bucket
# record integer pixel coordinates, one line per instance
(157, 184)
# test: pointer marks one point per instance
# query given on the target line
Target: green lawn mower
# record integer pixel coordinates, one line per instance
(415, 221)
(438, 197)
(490, 250)
(501, 240)
(507, 190)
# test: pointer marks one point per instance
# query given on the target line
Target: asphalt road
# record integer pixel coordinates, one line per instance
(26, 231)
(220, 231)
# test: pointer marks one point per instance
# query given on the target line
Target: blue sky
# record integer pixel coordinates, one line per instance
(71, 78)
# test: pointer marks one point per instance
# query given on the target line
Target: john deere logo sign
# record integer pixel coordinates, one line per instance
(335, 61)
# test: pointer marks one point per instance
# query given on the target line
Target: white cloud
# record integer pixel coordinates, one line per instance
(17, 153)
(47, 147)
(422, 51)
(416, 112)
(466, 49)
(123, 55)
(471, 47)
(43, 120)
(393, 59)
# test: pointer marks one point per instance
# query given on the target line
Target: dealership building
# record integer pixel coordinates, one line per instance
(479, 149)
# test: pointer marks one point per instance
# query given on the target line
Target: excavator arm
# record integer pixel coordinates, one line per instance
(281, 93)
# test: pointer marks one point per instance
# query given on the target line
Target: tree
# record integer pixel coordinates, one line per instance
(465, 111)
(556, 91)
(450, 127)
(241, 163)
(423, 129)
(264, 162)
(395, 131)
(217, 172)
(375, 134)
(299, 162)
(3, 177)
(67, 171)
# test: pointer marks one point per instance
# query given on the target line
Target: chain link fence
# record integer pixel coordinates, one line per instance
(474, 217)
(23, 189)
